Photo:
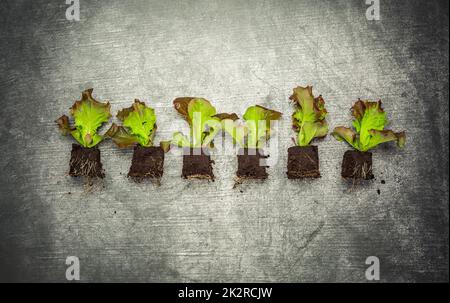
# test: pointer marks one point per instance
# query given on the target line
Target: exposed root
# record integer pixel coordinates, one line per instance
(85, 167)
(93, 184)
(199, 177)
(363, 171)
(238, 180)
(152, 178)
(303, 175)
(360, 174)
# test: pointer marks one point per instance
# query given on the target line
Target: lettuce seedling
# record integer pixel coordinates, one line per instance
(138, 126)
(203, 120)
(309, 117)
(89, 115)
(369, 123)
(256, 128)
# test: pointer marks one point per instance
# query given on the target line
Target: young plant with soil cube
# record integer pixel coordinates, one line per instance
(309, 122)
(138, 128)
(88, 115)
(369, 123)
(204, 124)
(251, 137)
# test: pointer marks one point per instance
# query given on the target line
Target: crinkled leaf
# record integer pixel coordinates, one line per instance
(200, 111)
(322, 129)
(201, 106)
(141, 122)
(202, 119)
(64, 125)
(342, 133)
(370, 121)
(88, 140)
(124, 112)
(319, 108)
(181, 105)
(258, 119)
(368, 116)
(381, 136)
(309, 118)
(121, 136)
(223, 116)
(89, 115)
(259, 113)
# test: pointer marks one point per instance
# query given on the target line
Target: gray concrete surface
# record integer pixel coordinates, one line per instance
(235, 53)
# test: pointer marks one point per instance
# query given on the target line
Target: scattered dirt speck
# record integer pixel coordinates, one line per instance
(383, 182)
(378, 191)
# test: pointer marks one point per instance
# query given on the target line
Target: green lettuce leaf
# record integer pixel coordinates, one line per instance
(257, 120)
(89, 115)
(342, 133)
(180, 140)
(139, 126)
(225, 116)
(64, 125)
(237, 132)
(181, 105)
(200, 111)
(309, 118)
(369, 123)
(203, 120)
(121, 136)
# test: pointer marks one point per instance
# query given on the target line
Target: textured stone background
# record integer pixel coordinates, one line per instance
(235, 53)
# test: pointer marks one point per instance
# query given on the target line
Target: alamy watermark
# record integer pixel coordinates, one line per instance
(211, 134)
(373, 11)
(373, 271)
(73, 11)
(73, 269)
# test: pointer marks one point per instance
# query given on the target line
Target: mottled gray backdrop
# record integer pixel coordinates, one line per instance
(235, 53)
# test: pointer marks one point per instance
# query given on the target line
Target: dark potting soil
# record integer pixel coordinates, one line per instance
(251, 164)
(85, 162)
(303, 162)
(147, 162)
(197, 165)
(357, 165)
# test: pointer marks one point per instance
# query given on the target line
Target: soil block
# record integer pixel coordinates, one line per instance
(197, 164)
(147, 162)
(85, 162)
(357, 165)
(251, 164)
(303, 162)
